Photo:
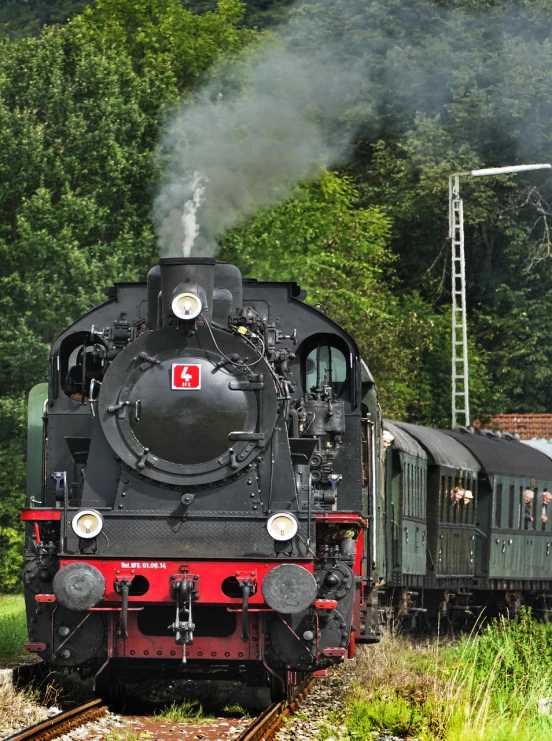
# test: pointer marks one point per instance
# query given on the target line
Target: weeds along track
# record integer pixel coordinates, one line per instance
(261, 728)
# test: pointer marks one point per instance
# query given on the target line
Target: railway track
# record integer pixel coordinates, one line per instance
(267, 723)
(262, 728)
(52, 728)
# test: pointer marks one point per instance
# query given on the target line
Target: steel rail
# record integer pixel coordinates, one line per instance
(62, 722)
(263, 728)
(269, 721)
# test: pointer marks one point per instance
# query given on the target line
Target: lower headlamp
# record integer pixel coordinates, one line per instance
(87, 523)
(282, 526)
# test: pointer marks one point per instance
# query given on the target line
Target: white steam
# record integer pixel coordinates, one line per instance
(244, 144)
(190, 225)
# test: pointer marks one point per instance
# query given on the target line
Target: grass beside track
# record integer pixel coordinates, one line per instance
(485, 687)
(13, 630)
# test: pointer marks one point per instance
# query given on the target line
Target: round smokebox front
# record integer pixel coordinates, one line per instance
(179, 415)
(187, 410)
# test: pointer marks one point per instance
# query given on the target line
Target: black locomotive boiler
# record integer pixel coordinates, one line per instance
(203, 467)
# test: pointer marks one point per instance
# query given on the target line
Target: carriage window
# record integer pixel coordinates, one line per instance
(498, 506)
(442, 499)
(471, 503)
(326, 366)
(407, 489)
(546, 499)
(413, 490)
(511, 507)
(453, 501)
(410, 491)
(467, 507)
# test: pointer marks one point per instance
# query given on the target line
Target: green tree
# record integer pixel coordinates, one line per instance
(164, 40)
(258, 13)
(27, 17)
(339, 252)
(12, 488)
(444, 87)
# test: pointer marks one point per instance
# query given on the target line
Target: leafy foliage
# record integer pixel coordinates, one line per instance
(26, 17)
(337, 251)
(258, 14)
(447, 87)
(12, 484)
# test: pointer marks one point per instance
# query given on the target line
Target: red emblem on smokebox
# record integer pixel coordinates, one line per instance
(186, 376)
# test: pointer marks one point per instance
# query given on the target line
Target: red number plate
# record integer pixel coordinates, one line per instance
(186, 376)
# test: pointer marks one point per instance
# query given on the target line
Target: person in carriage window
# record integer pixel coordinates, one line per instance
(546, 499)
(457, 494)
(528, 496)
(74, 383)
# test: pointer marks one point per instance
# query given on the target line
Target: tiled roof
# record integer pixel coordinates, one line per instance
(527, 426)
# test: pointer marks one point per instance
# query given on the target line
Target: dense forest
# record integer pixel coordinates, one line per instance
(27, 17)
(434, 87)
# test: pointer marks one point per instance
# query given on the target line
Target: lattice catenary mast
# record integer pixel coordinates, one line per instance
(460, 379)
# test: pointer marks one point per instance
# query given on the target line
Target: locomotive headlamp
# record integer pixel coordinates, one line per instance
(87, 523)
(282, 526)
(186, 305)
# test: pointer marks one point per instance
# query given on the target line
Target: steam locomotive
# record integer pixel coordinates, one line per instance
(204, 482)
(212, 492)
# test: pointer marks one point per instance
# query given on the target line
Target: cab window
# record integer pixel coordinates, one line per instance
(326, 365)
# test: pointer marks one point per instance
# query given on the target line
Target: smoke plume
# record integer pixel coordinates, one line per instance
(462, 88)
(243, 146)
